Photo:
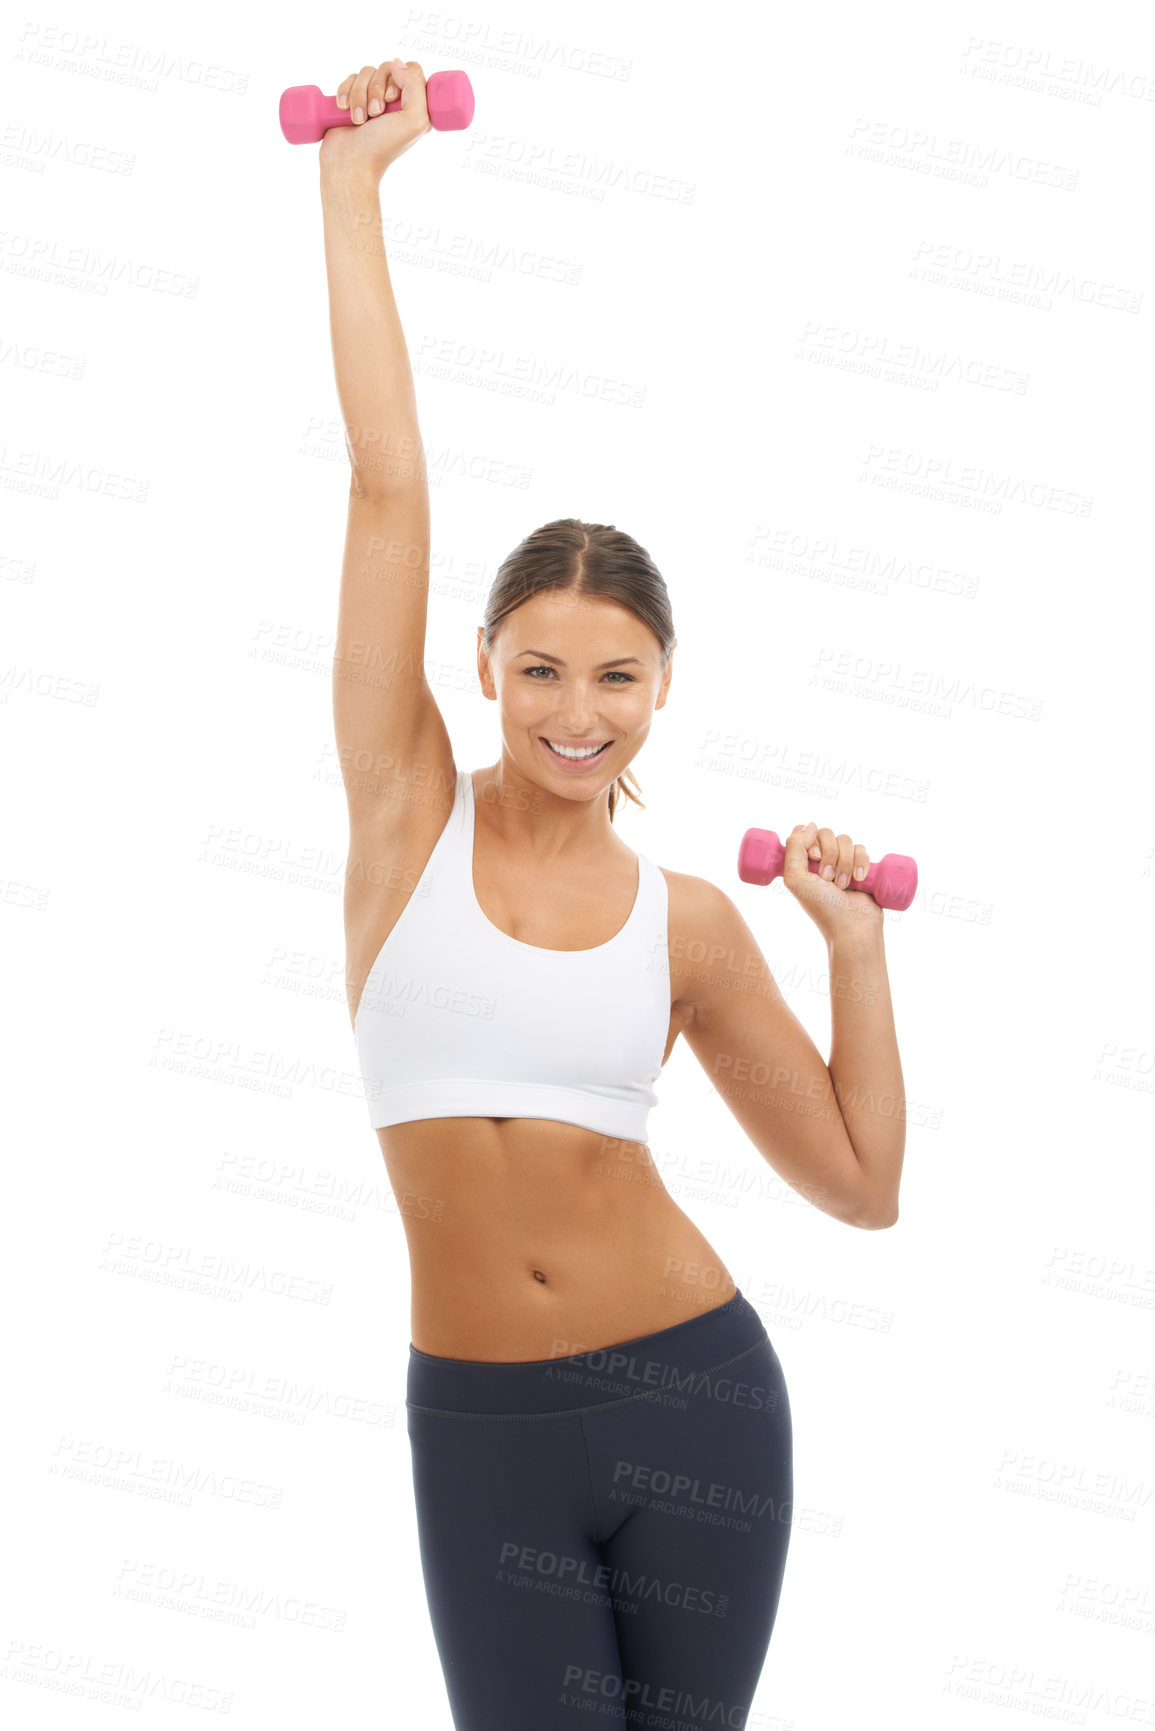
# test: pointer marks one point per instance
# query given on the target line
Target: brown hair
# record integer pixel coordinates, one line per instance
(592, 559)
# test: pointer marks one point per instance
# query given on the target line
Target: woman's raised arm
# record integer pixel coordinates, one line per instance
(383, 709)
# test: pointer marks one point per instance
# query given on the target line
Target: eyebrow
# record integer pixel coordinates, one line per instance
(542, 656)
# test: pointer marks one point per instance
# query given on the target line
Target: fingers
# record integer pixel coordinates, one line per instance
(839, 857)
(366, 92)
(356, 89)
(383, 87)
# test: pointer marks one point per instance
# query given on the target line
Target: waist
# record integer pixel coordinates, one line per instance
(530, 1240)
(682, 1361)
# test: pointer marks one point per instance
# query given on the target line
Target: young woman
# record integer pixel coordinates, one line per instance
(600, 1430)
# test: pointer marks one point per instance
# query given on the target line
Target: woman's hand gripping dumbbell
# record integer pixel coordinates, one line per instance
(444, 103)
(807, 854)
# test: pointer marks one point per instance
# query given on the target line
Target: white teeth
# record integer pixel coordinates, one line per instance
(570, 751)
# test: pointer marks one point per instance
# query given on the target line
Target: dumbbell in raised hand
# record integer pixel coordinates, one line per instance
(306, 115)
(892, 880)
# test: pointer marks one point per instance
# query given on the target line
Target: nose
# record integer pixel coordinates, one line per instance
(577, 712)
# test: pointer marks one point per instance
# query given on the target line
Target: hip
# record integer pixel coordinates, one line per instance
(722, 1354)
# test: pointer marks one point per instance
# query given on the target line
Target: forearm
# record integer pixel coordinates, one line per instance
(370, 357)
(864, 1064)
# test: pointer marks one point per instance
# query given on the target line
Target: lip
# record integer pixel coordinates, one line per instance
(567, 766)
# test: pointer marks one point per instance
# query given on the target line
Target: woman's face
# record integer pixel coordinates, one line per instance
(548, 672)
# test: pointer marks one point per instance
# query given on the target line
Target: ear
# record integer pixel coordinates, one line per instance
(660, 700)
(484, 675)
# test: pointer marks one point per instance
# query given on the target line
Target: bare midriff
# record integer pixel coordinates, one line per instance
(531, 1239)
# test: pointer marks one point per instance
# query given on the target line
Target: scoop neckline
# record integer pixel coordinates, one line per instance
(519, 943)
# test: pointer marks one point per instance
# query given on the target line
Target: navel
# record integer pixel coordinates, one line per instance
(538, 1275)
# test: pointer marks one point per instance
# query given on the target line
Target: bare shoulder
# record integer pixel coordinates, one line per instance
(710, 942)
(695, 900)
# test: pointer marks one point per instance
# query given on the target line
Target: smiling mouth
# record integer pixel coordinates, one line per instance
(583, 757)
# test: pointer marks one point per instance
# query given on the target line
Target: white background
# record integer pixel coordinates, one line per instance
(880, 284)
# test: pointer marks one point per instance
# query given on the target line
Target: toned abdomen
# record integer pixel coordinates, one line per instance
(533, 1239)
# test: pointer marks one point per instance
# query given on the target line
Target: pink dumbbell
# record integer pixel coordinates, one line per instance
(306, 115)
(892, 880)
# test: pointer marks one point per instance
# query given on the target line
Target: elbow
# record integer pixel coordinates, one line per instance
(878, 1217)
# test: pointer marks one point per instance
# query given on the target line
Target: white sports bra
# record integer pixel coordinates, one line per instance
(460, 1020)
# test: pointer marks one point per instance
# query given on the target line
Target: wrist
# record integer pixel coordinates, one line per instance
(856, 940)
(340, 179)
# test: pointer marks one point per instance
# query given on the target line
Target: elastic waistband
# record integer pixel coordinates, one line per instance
(678, 1360)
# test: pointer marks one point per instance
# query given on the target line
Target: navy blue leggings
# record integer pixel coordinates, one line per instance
(603, 1537)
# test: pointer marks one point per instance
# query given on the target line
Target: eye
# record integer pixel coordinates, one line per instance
(612, 673)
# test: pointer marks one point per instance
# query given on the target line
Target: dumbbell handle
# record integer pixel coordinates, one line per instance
(306, 115)
(892, 880)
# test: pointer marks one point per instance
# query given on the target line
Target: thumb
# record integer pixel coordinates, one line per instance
(796, 864)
